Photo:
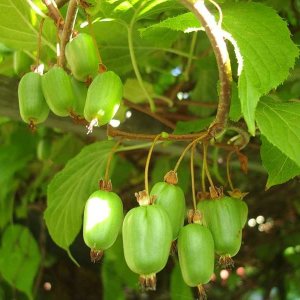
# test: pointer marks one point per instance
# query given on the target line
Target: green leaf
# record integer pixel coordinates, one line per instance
(266, 48)
(179, 290)
(206, 86)
(185, 22)
(164, 164)
(115, 274)
(113, 38)
(161, 166)
(17, 30)
(184, 127)
(6, 203)
(134, 93)
(280, 168)
(155, 7)
(166, 32)
(14, 157)
(19, 258)
(235, 112)
(279, 123)
(125, 10)
(70, 189)
(59, 155)
(6, 64)
(261, 36)
(126, 171)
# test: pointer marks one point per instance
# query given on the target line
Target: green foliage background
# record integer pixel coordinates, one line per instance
(42, 195)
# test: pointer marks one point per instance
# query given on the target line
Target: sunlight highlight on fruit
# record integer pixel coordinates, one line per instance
(98, 211)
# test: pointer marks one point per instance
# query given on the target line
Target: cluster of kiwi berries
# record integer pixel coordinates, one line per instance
(85, 94)
(152, 230)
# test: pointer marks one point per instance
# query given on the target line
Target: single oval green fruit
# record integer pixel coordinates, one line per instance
(80, 93)
(196, 254)
(243, 212)
(82, 57)
(225, 217)
(102, 221)
(32, 104)
(58, 92)
(171, 198)
(103, 99)
(147, 237)
(21, 62)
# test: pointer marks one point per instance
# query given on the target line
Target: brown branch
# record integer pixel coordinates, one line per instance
(113, 132)
(54, 13)
(150, 113)
(61, 3)
(215, 35)
(196, 103)
(181, 117)
(160, 103)
(67, 30)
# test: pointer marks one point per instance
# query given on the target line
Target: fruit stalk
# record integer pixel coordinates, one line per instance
(67, 30)
(193, 177)
(112, 152)
(148, 163)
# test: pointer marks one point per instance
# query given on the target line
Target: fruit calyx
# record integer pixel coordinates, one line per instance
(226, 262)
(148, 282)
(171, 177)
(201, 195)
(201, 292)
(144, 199)
(216, 192)
(32, 126)
(194, 216)
(105, 185)
(236, 193)
(96, 255)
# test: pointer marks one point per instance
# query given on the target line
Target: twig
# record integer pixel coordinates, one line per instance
(113, 132)
(186, 73)
(159, 103)
(196, 103)
(54, 13)
(61, 3)
(150, 113)
(67, 30)
(215, 35)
